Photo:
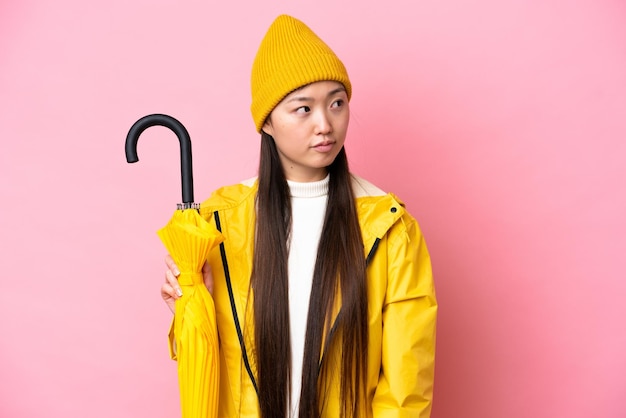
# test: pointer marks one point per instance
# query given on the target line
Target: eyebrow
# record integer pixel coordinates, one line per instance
(310, 99)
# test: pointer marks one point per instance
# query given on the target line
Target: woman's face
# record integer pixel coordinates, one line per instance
(309, 128)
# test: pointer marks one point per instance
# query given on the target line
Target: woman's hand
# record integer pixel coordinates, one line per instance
(170, 290)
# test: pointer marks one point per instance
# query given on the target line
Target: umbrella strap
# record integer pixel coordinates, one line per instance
(231, 296)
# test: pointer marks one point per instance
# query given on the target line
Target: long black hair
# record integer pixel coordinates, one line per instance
(339, 273)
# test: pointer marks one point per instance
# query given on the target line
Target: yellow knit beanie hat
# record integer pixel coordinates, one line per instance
(290, 56)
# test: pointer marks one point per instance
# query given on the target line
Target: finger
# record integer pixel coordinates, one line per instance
(169, 296)
(168, 292)
(173, 282)
(207, 274)
(172, 265)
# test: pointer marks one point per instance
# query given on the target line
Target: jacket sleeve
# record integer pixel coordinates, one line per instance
(405, 386)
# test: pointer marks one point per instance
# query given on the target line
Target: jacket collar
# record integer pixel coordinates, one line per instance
(377, 211)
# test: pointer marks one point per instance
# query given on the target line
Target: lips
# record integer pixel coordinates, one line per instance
(324, 146)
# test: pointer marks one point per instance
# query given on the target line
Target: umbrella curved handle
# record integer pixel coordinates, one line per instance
(186, 170)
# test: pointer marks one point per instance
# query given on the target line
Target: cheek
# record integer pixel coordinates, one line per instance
(343, 125)
(283, 125)
(293, 131)
(343, 120)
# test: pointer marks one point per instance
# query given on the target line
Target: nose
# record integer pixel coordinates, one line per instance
(323, 125)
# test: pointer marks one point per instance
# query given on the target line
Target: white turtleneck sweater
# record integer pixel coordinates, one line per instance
(308, 205)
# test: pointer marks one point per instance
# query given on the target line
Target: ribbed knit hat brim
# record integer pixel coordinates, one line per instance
(290, 56)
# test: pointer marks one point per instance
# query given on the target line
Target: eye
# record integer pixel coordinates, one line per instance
(303, 109)
(337, 103)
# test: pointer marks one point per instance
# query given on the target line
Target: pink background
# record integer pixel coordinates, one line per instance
(502, 124)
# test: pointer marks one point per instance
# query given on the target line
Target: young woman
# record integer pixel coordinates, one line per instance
(323, 287)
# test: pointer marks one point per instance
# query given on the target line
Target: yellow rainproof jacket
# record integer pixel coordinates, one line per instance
(402, 306)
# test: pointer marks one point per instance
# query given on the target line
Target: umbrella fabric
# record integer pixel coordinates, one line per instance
(189, 239)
